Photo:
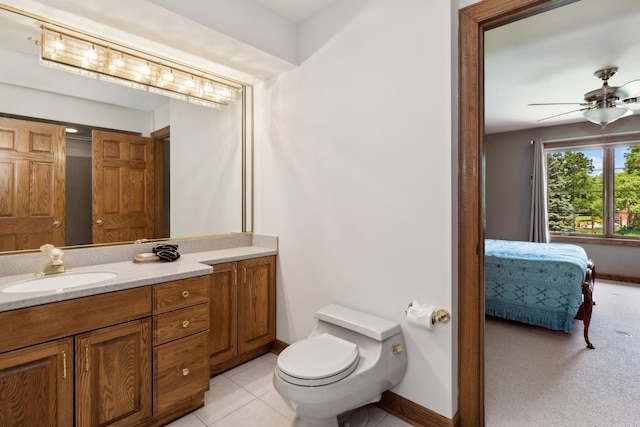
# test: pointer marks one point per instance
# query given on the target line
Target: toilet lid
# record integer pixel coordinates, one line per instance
(319, 360)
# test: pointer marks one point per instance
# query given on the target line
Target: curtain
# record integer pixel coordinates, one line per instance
(539, 225)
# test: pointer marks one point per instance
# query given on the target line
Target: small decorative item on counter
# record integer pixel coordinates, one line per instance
(145, 257)
(166, 253)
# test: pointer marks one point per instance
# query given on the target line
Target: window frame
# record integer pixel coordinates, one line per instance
(608, 143)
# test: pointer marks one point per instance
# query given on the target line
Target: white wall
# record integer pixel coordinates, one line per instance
(51, 106)
(353, 173)
(206, 169)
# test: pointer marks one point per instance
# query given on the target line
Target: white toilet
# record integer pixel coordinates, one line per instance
(346, 362)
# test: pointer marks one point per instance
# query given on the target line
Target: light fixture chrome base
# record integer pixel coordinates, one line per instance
(606, 73)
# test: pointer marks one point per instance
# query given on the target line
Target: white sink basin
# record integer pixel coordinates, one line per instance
(58, 282)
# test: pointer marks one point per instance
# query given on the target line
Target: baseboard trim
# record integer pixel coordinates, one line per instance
(413, 413)
(277, 346)
(397, 405)
(617, 278)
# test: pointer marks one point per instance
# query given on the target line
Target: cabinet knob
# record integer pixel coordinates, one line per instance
(185, 324)
(185, 294)
(185, 372)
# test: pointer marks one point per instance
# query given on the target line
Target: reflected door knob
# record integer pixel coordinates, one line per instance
(56, 224)
(100, 222)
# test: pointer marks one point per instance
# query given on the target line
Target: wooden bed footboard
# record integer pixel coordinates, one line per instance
(584, 312)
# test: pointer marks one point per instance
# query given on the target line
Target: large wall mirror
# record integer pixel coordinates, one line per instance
(198, 180)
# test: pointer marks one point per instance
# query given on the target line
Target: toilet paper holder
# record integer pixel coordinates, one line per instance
(439, 316)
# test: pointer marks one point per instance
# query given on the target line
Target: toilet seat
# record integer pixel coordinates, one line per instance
(318, 360)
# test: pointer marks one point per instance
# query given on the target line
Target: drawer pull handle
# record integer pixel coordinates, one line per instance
(64, 365)
(185, 294)
(86, 358)
(185, 372)
(185, 324)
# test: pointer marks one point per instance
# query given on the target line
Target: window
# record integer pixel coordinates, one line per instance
(594, 190)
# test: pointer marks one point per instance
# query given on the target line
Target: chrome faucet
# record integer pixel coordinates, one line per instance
(55, 264)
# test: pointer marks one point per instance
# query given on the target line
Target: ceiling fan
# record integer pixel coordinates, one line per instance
(607, 103)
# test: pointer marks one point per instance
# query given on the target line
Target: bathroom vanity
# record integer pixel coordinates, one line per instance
(137, 349)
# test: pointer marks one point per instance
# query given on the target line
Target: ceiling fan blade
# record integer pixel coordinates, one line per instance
(628, 90)
(562, 114)
(561, 103)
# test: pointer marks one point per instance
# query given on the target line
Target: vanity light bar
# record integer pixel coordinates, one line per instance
(122, 82)
(94, 57)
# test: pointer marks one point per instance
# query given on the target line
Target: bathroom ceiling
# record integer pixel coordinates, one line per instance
(297, 11)
(546, 58)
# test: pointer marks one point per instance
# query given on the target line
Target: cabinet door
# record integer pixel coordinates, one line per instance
(36, 385)
(223, 313)
(113, 375)
(256, 303)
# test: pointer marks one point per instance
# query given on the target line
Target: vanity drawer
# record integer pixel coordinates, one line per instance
(180, 293)
(180, 323)
(181, 371)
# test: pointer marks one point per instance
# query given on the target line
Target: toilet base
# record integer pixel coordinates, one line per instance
(356, 418)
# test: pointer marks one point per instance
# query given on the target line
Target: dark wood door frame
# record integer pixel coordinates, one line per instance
(473, 22)
(158, 137)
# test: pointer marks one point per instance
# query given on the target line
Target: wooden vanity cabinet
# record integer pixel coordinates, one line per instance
(242, 311)
(98, 345)
(137, 357)
(180, 346)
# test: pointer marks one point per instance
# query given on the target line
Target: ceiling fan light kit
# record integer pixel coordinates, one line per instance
(605, 115)
(606, 104)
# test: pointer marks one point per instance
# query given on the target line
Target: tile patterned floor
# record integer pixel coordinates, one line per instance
(244, 396)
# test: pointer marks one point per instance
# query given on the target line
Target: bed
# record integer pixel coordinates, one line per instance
(542, 284)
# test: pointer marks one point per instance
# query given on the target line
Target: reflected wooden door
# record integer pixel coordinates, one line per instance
(123, 187)
(32, 192)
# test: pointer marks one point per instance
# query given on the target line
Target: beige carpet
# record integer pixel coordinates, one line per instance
(538, 377)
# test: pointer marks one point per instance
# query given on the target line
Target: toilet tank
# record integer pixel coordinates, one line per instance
(371, 326)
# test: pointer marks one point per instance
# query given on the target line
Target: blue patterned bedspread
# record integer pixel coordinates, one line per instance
(535, 283)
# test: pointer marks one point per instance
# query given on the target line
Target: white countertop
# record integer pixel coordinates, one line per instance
(129, 275)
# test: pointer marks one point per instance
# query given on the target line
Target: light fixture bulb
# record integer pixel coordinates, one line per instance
(167, 76)
(92, 54)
